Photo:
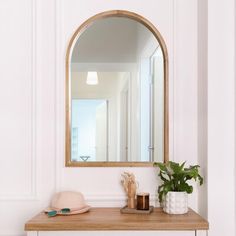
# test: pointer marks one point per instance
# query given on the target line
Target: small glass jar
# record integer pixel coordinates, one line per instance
(143, 201)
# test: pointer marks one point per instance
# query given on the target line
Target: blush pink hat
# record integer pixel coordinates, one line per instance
(68, 199)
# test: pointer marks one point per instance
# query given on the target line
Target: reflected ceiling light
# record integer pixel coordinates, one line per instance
(92, 78)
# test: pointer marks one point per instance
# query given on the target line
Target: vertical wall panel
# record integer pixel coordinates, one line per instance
(27, 117)
(221, 117)
(17, 99)
(185, 86)
(101, 186)
(32, 80)
(202, 103)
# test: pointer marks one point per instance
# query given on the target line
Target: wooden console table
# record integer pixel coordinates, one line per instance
(101, 221)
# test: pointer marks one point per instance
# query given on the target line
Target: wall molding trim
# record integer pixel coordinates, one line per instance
(34, 101)
(32, 195)
(172, 81)
(59, 75)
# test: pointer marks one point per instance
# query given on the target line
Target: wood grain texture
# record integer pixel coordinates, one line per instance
(75, 36)
(126, 210)
(111, 219)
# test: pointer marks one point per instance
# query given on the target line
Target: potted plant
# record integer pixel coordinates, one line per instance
(173, 193)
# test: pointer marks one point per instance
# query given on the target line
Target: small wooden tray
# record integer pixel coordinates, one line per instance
(126, 210)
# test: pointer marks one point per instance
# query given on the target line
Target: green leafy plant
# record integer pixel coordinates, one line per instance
(175, 178)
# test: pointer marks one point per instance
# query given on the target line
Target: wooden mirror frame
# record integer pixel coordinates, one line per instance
(77, 33)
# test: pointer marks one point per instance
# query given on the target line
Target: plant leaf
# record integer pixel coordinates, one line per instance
(161, 166)
(175, 177)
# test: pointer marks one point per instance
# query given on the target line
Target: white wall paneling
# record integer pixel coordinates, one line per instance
(221, 117)
(32, 102)
(90, 180)
(185, 77)
(202, 103)
(185, 113)
(18, 101)
(27, 145)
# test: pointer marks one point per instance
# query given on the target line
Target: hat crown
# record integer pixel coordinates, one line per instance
(68, 199)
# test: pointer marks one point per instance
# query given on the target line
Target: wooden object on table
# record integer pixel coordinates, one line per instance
(126, 210)
(111, 219)
(131, 203)
(130, 185)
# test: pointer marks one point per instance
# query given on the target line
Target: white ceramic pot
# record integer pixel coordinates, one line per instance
(176, 203)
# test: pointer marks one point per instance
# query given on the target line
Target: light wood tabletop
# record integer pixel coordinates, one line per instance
(111, 219)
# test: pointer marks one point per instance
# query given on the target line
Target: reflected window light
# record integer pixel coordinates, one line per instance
(92, 78)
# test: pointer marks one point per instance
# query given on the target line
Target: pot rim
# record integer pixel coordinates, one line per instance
(177, 192)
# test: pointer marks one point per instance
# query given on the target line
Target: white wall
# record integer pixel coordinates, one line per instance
(202, 103)
(27, 136)
(185, 83)
(111, 189)
(108, 82)
(158, 73)
(34, 37)
(216, 114)
(221, 117)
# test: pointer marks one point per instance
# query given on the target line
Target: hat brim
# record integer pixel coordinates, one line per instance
(73, 211)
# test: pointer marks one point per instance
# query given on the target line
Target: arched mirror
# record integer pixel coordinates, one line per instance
(116, 93)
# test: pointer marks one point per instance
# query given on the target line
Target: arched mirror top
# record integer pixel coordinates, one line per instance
(116, 92)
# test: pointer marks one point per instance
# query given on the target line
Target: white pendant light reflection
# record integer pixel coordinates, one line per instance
(92, 78)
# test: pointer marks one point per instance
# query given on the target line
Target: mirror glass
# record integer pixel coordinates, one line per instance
(116, 87)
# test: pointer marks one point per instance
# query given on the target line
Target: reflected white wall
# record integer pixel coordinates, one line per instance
(84, 119)
(145, 109)
(158, 106)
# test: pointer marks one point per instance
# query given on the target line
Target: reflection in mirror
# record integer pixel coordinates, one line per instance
(117, 89)
(89, 130)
